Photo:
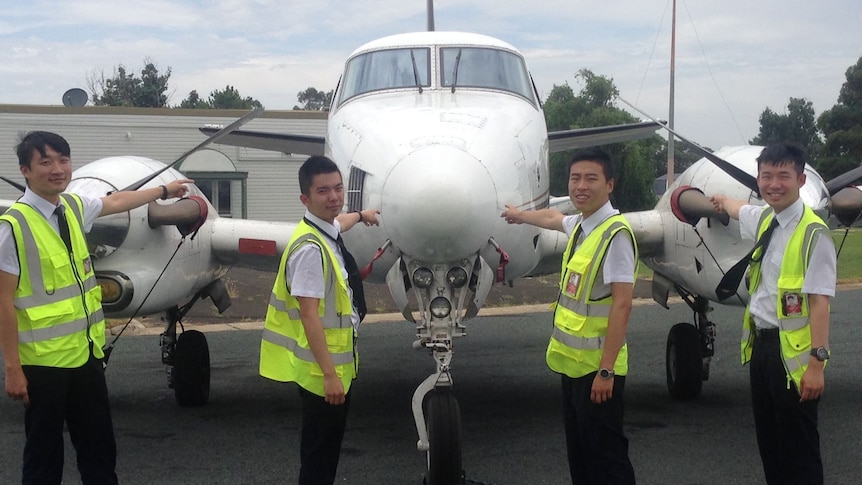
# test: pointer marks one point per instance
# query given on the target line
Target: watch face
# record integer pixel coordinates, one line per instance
(822, 353)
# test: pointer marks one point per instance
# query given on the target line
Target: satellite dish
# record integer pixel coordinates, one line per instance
(75, 97)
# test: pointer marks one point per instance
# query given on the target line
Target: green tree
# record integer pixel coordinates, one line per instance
(797, 124)
(634, 162)
(314, 100)
(194, 101)
(126, 89)
(842, 127)
(228, 98)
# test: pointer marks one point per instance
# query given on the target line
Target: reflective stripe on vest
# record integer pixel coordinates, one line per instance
(301, 352)
(580, 343)
(330, 319)
(61, 330)
(584, 308)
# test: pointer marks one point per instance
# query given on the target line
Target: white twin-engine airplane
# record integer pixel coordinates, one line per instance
(439, 131)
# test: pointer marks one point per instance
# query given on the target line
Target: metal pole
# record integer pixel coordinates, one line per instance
(670, 139)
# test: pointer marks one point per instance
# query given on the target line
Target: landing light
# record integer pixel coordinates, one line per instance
(457, 277)
(423, 278)
(111, 290)
(117, 290)
(440, 307)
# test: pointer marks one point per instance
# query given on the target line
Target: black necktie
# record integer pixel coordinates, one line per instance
(577, 241)
(60, 211)
(354, 280)
(730, 282)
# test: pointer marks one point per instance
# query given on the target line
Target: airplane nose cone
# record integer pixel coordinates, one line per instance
(439, 204)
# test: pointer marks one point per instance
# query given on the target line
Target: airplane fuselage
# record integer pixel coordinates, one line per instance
(441, 162)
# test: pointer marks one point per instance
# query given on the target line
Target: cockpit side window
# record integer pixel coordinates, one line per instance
(386, 69)
(481, 67)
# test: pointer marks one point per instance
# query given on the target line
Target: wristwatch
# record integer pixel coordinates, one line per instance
(822, 353)
(606, 373)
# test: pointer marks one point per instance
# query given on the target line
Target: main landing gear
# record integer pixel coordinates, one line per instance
(187, 356)
(689, 350)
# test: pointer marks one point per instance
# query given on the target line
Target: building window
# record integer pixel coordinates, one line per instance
(215, 174)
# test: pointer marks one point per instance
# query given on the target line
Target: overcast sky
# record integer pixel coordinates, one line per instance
(733, 58)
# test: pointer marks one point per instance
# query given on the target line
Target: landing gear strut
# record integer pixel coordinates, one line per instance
(689, 350)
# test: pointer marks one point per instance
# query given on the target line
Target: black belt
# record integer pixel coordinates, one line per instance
(766, 333)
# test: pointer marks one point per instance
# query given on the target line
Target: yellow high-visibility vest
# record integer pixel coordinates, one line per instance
(582, 309)
(285, 354)
(791, 305)
(58, 303)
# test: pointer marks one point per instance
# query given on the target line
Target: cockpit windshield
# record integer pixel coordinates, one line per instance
(387, 69)
(480, 67)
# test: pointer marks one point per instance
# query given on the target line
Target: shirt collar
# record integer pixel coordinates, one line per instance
(791, 213)
(331, 229)
(37, 202)
(597, 217)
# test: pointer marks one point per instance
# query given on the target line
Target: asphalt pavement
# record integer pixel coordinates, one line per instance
(512, 432)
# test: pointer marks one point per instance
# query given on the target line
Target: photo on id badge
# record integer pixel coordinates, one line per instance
(573, 284)
(791, 304)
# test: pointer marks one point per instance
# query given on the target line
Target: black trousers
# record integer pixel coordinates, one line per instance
(787, 433)
(79, 398)
(323, 427)
(598, 450)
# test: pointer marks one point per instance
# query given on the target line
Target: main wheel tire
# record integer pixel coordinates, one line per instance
(443, 418)
(683, 362)
(191, 373)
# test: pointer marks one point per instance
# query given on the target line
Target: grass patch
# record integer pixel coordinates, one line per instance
(850, 255)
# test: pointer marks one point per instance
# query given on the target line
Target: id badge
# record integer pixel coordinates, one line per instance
(791, 304)
(88, 265)
(573, 284)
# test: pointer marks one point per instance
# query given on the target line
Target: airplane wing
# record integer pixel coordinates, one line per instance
(277, 142)
(249, 243)
(588, 137)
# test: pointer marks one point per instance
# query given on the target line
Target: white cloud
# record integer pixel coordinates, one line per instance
(734, 58)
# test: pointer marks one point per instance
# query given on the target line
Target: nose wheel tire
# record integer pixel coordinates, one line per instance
(444, 439)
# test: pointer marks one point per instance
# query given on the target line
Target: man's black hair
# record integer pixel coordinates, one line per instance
(315, 165)
(784, 152)
(38, 141)
(593, 154)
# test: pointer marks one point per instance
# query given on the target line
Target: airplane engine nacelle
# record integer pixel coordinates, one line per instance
(689, 205)
(847, 205)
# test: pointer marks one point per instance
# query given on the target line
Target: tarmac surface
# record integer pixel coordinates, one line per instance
(509, 400)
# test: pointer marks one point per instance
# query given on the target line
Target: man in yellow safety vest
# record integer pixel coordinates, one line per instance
(312, 318)
(785, 331)
(52, 328)
(587, 347)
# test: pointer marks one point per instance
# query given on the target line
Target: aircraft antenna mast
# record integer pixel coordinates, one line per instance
(430, 15)
(670, 138)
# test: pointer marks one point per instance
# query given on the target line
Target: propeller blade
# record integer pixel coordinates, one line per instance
(738, 174)
(214, 137)
(14, 184)
(844, 180)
